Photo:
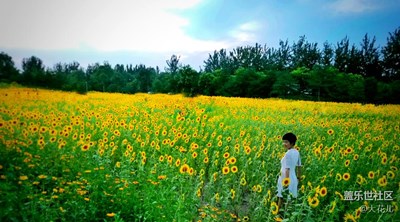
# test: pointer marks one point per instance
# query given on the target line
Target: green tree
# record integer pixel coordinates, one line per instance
(172, 68)
(370, 64)
(173, 64)
(341, 61)
(304, 54)
(188, 81)
(206, 85)
(391, 56)
(283, 55)
(285, 85)
(371, 89)
(327, 55)
(321, 82)
(248, 57)
(8, 72)
(220, 82)
(33, 71)
(100, 76)
(302, 76)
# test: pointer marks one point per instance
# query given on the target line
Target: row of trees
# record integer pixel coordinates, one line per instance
(302, 70)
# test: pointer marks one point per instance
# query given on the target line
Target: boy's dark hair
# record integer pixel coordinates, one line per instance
(290, 137)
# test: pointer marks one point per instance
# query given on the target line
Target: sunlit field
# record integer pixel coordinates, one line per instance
(155, 157)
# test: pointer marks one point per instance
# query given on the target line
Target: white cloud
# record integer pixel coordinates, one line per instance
(245, 33)
(140, 25)
(354, 6)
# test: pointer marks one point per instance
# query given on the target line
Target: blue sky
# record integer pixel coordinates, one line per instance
(150, 31)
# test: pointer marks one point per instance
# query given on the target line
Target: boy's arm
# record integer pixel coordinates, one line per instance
(298, 173)
(287, 171)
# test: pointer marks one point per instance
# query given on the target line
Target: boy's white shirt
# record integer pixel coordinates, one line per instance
(290, 160)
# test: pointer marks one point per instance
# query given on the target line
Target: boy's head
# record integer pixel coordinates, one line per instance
(290, 138)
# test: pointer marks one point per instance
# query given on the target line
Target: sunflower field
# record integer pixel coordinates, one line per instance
(155, 157)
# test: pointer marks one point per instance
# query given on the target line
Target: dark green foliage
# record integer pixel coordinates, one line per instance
(340, 72)
(391, 56)
(8, 72)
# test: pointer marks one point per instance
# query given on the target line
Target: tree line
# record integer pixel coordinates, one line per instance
(302, 70)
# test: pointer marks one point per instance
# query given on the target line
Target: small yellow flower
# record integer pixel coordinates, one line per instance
(323, 191)
(333, 205)
(225, 170)
(346, 176)
(274, 208)
(286, 182)
(371, 174)
(234, 169)
(313, 202)
(23, 177)
(110, 214)
(243, 181)
(382, 181)
(390, 174)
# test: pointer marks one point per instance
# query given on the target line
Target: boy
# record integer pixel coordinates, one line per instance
(289, 163)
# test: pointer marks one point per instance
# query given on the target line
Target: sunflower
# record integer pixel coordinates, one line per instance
(340, 195)
(170, 159)
(205, 151)
(338, 177)
(347, 163)
(360, 179)
(234, 169)
(330, 131)
(355, 157)
(286, 182)
(194, 154)
(243, 181)
(323, 191)
(232, 160)
(233, 192)
(382, 181)
(390, 174)
(384, 160)
(245, 218)
(205, 160)
(333, 206)
(225, 170)
(110, 214)
(396, 208)
(259, 188)
(349, 217)
(346, 176)
(177, 162)
(371, 174)
(226, 155)
(274, 208)
(358, 213)
(85, 147)
(191, 171)
(313, 202)
(184, 168)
